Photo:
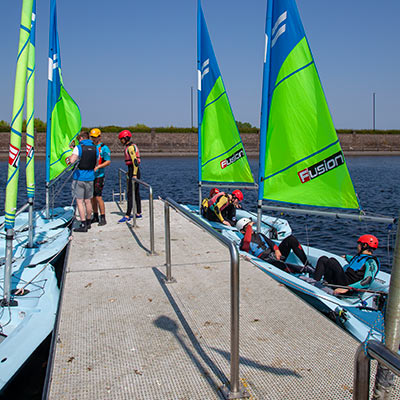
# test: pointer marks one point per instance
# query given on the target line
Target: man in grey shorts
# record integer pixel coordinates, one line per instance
(82, 184)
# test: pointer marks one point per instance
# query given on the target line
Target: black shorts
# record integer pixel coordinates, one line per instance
(98, 186)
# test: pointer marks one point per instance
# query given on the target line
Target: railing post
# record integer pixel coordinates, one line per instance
(151, 215)
(361, 378)
(30, 220)
(169, 278)
(47, 214)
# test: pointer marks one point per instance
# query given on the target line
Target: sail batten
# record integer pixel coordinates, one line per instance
(301, 161)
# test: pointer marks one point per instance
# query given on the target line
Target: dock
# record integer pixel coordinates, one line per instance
(124, 333)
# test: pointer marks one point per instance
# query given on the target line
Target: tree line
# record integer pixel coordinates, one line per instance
(244, 127)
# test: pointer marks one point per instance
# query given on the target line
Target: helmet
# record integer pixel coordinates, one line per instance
(213, 192)
(238, 194)
(125, 134)
(242, 223)
(95, 132)
(370, 240)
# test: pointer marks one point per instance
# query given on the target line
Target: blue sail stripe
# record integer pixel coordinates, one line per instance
(209, 104)
(30, 119)
(12, 176)
(212, 159)
(18, 112)
(294, 72)
(16, 132)
(23, 48)
(30, 75)
(303, 159)
(59, 159)
(31, 136)
(24, 28)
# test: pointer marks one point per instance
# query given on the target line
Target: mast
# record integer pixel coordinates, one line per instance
(15, 142)
(264, 111)
(199, 97)
(30, 128)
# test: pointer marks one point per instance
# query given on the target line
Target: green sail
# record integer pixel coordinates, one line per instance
(304, 163)
(222, 152)
(65, 124)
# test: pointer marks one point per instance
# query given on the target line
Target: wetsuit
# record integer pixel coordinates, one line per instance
(358, 273)
(132, 160)
(262, 247)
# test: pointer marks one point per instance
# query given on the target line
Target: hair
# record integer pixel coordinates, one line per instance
(83, 135)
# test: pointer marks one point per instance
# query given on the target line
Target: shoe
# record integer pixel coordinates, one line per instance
(88, 223)
(81, 228)
(95, 219)
(308, 269)
(138, 215)
(102, 221)
(124, 219)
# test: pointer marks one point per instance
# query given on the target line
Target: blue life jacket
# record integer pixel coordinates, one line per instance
(259, 245)
(355, 269)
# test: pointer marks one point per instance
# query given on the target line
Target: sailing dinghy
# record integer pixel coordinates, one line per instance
(34, 240)
(222, 159)
(301, 162)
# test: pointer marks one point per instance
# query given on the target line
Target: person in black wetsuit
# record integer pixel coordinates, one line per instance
(264, 248)
(357, 274)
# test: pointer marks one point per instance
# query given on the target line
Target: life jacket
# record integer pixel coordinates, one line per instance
(214, 200)
(259, 245)
(100, 158)
(88, 158)
(128, 159)
(355, 269)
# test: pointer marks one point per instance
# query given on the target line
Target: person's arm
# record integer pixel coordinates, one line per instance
(106, 160)
(74, 156)
(272, 246)
(371, 268)
(245, 244)
(135, 163)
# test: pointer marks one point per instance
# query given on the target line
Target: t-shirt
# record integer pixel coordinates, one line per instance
(105, 155)
(85, 175)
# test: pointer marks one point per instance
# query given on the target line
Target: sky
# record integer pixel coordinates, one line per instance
(129, 61)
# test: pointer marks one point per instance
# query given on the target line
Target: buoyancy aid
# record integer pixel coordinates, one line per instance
(260, 244)
(88, 157)
(355, 269)
(128, 158)
(100, 157)
(212, 203)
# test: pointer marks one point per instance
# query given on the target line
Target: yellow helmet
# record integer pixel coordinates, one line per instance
(95, 132)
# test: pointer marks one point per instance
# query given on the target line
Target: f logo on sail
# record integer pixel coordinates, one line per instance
(278, 28)
(13, 156)
(205, 68)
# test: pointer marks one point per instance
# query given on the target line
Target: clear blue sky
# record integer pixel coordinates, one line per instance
(127, 61)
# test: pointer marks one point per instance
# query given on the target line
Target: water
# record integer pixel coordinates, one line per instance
(375, 179)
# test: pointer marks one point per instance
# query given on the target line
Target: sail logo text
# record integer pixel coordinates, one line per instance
(321, 167)
(233, 158)
(13, 156)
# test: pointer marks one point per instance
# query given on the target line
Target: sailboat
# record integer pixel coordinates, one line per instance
(30, 288)
(222, 159)
(301, 163)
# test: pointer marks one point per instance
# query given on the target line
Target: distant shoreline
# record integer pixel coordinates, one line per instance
(41, 156)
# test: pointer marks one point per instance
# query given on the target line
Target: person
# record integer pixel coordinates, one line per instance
(82, 184)
(132, 160)
(104, 159)
(222, 207)
(213, 192)
(264, 248)
(358, 273)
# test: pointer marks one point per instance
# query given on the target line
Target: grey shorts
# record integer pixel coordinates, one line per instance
(82, 189)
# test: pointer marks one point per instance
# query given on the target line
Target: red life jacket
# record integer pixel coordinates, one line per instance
(213, 201)
(128, 159)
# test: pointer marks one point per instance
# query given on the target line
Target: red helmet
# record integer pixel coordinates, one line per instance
(213, 192)
(125, 134)
(370, 240)
(238, 194)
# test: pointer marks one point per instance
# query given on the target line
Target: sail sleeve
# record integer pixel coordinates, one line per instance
(63, 114)
(221, 151)
(302, 159)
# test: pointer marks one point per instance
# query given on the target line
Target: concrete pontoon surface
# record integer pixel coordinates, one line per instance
(125, 334)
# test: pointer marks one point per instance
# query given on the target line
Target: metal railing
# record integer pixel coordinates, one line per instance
(235, 391)
(151, 205)
(362, 366)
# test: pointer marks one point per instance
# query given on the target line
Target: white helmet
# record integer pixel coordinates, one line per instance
(242, 223)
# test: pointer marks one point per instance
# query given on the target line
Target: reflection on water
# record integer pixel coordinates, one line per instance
(375, 180)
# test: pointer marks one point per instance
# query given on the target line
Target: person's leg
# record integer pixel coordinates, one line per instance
(81, 209)
(291, 243)
(137, 196)
(129, 192)
(320, 268)
(94, 203)
(334, 274)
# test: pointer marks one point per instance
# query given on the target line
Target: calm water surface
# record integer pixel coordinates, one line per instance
(375, 179)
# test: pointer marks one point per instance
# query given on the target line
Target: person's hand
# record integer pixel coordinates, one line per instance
(278, 254)
(226, 223)
(95, 168)
(340, 291)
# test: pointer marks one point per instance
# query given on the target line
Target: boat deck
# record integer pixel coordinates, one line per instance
(125, 334)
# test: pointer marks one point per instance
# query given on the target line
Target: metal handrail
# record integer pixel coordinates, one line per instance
(236, 391)
(151, 205)
(366, 351)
